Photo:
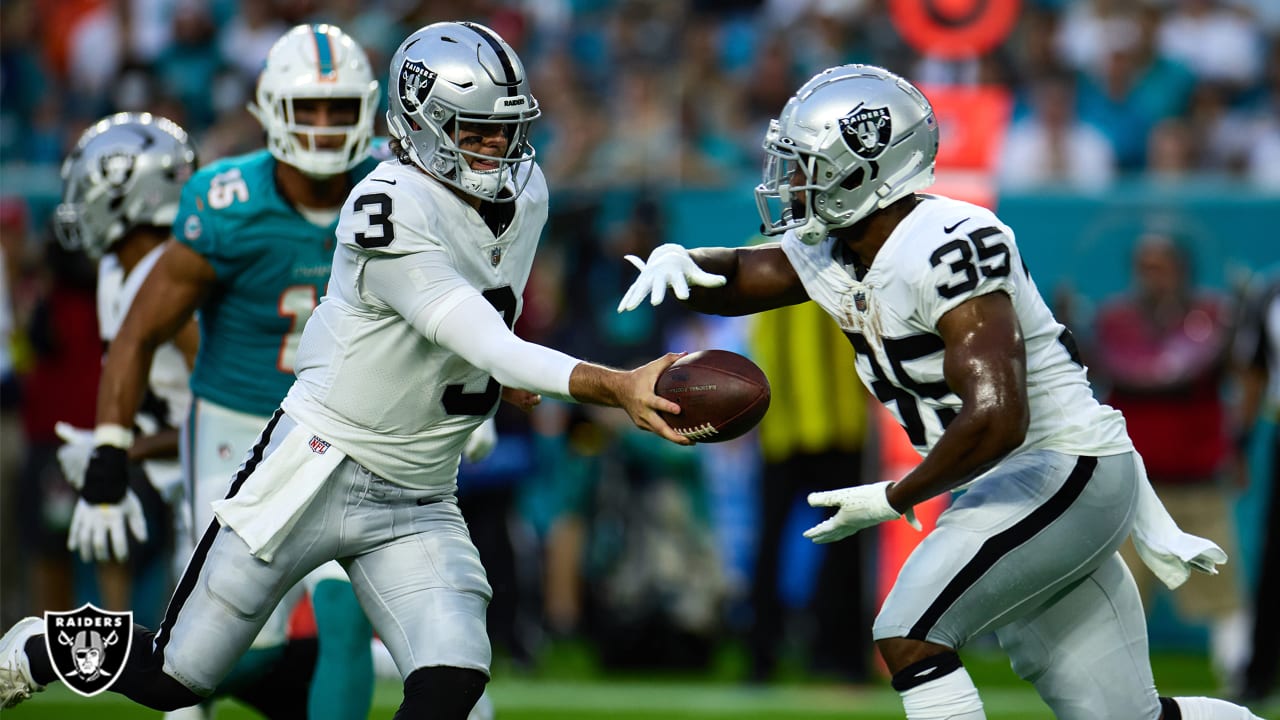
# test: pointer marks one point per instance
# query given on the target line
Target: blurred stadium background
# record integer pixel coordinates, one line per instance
(1086, 124)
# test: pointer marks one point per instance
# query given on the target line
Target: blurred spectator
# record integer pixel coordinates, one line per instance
(1089, 30)
(1258, 354)
(1171, 151)
(1163, 351)
(812, 439)
(1133, 91)
(1052, 146)
(244, 42)
(61, 385)
(1218, 42)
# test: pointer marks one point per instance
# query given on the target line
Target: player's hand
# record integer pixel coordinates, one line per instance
(860, 507)
(73, 455)
(522, 399)
(99, 531)
(106, 477)
(644, 405)
(481, 442)
(668, 265)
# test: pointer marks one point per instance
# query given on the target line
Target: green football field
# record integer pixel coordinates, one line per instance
(569, 688)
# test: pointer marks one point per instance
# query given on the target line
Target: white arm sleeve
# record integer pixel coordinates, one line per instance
(424, 289)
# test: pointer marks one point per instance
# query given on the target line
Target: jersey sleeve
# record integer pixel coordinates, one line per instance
(383, 218)
(196, 225)
(957, 267)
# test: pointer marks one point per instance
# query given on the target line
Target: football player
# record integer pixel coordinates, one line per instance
(406, 356)
(953, 336)
(121, 185)
(251, 250)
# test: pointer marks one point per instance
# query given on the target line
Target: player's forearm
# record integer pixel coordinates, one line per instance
(972, 443)
(596, 384)
(156, 446)
(124, 378)
(754, 283)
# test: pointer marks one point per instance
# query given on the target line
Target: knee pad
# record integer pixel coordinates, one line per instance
(446, 693)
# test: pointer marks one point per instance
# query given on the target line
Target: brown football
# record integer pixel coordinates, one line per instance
(721, 395)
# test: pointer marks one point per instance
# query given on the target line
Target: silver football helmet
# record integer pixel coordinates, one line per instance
(461, 72)
(126, 170)
(853, 139)
(316, 62)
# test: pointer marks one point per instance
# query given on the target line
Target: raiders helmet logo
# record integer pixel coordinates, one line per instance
(866, 131)
(117, 167)
(88, 646)
(416, 81)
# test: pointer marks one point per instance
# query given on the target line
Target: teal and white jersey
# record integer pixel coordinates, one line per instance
(272, 266)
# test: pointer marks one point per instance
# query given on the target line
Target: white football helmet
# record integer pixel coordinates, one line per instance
(126, 170)
(853, 139)
(315, 62)
(453, 72)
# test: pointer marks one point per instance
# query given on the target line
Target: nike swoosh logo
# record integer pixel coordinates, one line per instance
(929, 671)
(948, 230)
(393, 182)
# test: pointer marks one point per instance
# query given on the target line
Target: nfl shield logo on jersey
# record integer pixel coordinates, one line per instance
(317, 445)
(88, 646)
(495, 256)
(860, 301)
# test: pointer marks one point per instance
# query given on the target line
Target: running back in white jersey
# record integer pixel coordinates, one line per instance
(396, 402)
(942, 254)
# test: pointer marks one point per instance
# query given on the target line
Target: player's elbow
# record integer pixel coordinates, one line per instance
(1005, 427)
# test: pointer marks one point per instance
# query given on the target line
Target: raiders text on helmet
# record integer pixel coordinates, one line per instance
(853, 139)
(316, 62)
(126, 170)
(450, 73)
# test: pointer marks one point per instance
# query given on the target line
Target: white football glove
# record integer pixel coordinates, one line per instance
(481, 442)
(94, 526)
(668, 265)
(74, 454)
(861, 507)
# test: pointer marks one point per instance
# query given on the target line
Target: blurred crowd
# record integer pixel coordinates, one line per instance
(637, 95)
(679, 91)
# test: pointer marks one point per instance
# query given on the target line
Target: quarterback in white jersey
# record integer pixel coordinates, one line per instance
(405, 356)
(953, 337)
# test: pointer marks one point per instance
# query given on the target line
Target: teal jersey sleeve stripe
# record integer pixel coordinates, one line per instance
(324, 51)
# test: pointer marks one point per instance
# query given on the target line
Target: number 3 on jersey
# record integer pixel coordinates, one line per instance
(456, 400)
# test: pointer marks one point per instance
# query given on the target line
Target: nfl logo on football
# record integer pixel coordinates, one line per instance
(88, 646)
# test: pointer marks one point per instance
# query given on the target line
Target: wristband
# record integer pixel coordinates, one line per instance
(114, 435)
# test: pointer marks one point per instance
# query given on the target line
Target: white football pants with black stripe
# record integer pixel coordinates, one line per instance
(1029, 551)
(408, 553)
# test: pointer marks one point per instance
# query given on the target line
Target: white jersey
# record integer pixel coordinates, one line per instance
(371, 382)
(169, 396)
(942, 254)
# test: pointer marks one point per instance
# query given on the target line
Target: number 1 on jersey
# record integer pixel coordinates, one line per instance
(296, 303)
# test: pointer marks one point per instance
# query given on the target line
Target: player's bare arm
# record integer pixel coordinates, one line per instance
(757, 278)
(985, 364)
(630, 390)
(162, 310)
